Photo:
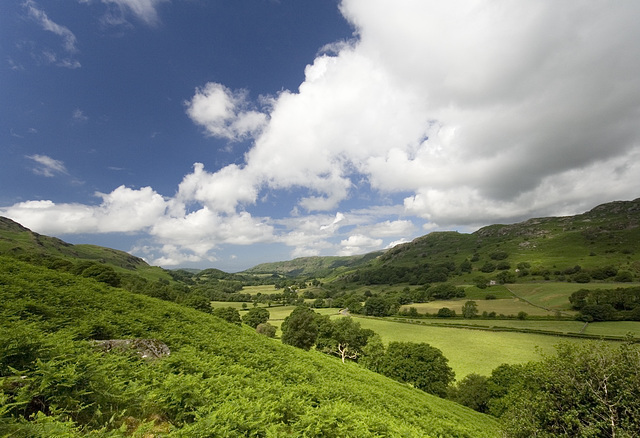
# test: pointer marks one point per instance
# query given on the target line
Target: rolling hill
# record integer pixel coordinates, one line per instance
(539, 249)
(218, 380)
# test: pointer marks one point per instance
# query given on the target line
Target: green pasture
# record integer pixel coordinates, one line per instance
(614, 328)
(470, 351)
(506, 306)
(559, 327)
(555, 295)
(262, 288)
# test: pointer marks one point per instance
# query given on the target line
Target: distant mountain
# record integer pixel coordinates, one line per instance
(313, 266)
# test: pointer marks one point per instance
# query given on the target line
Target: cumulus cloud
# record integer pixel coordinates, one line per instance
(224, 113)
(123, 210)
(47, 166)
(473, 108)
(358, 244)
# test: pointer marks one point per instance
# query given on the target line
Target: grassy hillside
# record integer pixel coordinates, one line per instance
(556, 248)
(219, 380)
(313, 266)
(18, 241)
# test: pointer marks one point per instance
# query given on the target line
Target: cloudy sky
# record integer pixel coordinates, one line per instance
(225, 134)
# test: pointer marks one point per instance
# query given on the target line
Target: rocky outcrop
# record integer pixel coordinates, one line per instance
(144, 348)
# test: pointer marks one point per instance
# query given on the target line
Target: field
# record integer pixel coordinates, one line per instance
(469, 351)
(555, 295)
(474, 350)
(507, 306)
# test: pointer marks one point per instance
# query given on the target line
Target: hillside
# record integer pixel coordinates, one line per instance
(537, 249)
(19, 241)
(312, 266)
(219, 379)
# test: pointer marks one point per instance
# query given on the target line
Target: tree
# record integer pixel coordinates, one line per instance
(376, 306)
(445, 312)
(582, 391)
(300, 328)
(256, 316)
(266, 329)
(346, 339)
(373, 354)
(198, 302)
(229, 314)
(421, 365)
(472, 391)
(470, 309)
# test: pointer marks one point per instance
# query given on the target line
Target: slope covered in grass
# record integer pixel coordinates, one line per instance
(219, 380)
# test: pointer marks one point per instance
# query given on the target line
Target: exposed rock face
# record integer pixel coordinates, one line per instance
(145, 348)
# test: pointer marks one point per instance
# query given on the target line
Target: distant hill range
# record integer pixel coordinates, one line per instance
(607, 235)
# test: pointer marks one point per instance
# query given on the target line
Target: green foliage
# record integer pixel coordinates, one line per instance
(585, 392)
(472, 392)
(445, 312)
(488, 267)
(266, 329)
(470, 309)
(421, 365)
(343, 337)
(228, 314)
(256, 316)
(606, 304)
(300, 328)
(373, 354)
(446, 291)
(219, 380)
(498, 255)
(376, 306)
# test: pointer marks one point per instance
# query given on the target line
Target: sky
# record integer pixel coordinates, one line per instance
(226, 133)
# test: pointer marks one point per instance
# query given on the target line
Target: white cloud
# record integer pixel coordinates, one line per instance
(474, 108)
(123, 210)
(69, 39)
(145, 10)
(358, 244)
(47, 166)
(221, 191)
(79, 116)
(224, 113)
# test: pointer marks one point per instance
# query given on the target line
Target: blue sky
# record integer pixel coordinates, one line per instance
(225, 134)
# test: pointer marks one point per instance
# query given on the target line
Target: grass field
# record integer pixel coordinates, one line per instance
(470, 351)
(555, 295)
(263, 289)
(506, 306)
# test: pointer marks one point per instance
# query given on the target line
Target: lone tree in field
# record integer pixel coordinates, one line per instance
(300, 328)
(470, 309)
(345, 339)
(421, 365)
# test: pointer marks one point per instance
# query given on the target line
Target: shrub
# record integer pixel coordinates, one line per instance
(266, 329)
